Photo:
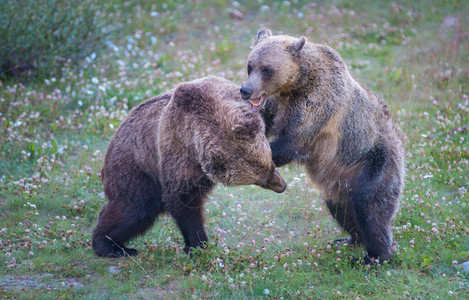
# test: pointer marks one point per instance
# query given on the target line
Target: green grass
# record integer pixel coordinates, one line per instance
(54, 134)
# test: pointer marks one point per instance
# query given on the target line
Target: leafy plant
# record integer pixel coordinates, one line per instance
(39, 36)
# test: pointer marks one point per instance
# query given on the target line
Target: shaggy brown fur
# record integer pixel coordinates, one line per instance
(343, 134)
(169, 153)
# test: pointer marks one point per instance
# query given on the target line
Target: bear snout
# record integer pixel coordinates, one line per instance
(245, 92)
(276, 183)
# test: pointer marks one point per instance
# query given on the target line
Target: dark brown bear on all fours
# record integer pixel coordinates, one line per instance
(167, 156)
(321, 117)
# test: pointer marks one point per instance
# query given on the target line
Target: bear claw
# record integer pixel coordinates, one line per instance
(345, 241)
(122, 252)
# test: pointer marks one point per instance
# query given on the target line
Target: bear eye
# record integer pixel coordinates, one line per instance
(266, 71)
(249, 69)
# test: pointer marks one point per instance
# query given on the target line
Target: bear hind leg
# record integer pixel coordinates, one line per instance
(343, 212)
(374, 212)
(374, 195)
(111, 233)
(102, 242)
(122, 219)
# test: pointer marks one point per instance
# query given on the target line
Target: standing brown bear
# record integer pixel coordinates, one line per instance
(167, 156)
(322, 118)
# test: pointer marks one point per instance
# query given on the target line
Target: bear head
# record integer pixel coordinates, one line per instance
(242, 155)
(229, 138)
(273, 67)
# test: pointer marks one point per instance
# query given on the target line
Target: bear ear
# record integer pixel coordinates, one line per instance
(295, 47)
(262, 34)
(245, 131)
(216, 157)
(188, 96)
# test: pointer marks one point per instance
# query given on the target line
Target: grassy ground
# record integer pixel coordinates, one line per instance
(54, 134)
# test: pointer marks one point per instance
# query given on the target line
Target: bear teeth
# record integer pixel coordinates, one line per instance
(256, 103)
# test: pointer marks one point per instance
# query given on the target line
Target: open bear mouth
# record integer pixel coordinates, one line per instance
(256, 104)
